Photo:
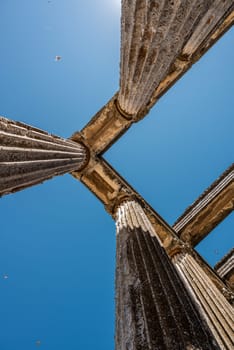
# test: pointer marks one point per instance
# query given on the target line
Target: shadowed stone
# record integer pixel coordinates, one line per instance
(29, 156)
(153, 308)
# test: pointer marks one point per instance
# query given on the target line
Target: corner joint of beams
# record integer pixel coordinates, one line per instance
(177, 247)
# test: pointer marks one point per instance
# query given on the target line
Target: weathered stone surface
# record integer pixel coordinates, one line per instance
(111, 122)
(107, 125)
(154, 35)
(208, 210)
(215, 308)
(153, 308)
(29, 156)
(225, 269)
(184, 61)
(160, 41)
(111, 189)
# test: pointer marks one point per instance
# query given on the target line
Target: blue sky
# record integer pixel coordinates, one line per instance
(57, 243)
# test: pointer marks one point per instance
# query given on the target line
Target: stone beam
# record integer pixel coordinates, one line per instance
(105, 127)
(208, 210)
(29, 156)
(111, 189)
(114, 118)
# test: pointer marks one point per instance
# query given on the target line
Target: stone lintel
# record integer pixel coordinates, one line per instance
(208, 210)
(111, 189)
(105, 127)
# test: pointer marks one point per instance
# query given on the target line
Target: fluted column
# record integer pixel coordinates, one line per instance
(154, 311)
(29, 156)
(153, 34)
(215, 308)
(225, 269)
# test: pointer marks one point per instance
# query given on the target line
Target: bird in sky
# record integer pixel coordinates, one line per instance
(58, 58)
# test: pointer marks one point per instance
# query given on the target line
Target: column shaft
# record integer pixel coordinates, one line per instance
(153, 35)
(218, 312)
(29, 156)
(153, 308)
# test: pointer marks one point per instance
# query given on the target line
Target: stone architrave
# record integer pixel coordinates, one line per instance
(153, 308)
(213, 305)
(29, 156)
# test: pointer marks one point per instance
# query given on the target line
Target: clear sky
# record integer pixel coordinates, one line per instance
(57, 243)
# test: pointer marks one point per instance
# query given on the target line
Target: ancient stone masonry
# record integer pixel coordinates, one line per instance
(208, 210)
(225, 269)
(160, 304)
(29, 156)
(154, 35)
(217, 311)
(107, 185)
(160, 41)
(153, 308)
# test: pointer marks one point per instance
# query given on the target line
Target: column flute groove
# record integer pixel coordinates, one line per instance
(29, 156)
(153, 308)
(218, 312)
(159, 37)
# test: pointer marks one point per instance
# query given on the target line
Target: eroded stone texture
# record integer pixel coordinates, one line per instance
(153, 308)
(110, 122)
(154, 34)
(110, 188)
(225, 269)
(29, 156)
(104, 128)
(218, 312)
(208, 210)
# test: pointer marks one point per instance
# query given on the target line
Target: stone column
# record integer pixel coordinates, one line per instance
(29, 156)
(153, 34)
(213, 305)
(225, 269)
(154, 311)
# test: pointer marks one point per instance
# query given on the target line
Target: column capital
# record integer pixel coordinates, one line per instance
(78, 138)
(124, 114)
(122, 198)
